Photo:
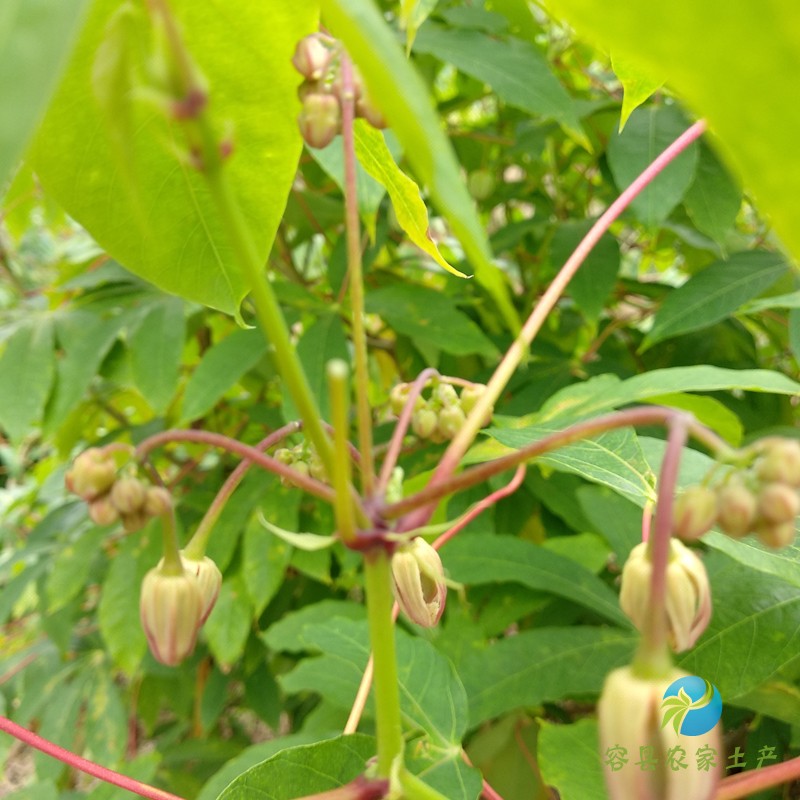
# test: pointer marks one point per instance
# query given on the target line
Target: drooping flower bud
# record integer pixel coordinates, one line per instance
(470, 396)
(320, 119)
(311, 57)
(209, 580)
(91, 474)
(419, 582)
(775, 534)
(688, 594)
(694, 512)
(780, 462)
(157, 501)
(451, 419)
(366, 109)
(644, 757)
(128, 495)
(171, 610)
(736, 509)
(102, 511)
(446, 394)
(398, 397)
(778, 503)
(424, 422)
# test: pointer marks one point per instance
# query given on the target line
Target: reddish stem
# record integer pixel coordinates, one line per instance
(746, 784)
(84, 765)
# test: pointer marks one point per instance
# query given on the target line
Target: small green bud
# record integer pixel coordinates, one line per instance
(446, 394)
(92, 473)
(419, 582)
(423, 422)
(398, 397)
(311, 57)
(157, 501)
(102, 511)
(316, 468)
(451, 420)
(780, 463)
(320, 119)
(128, 495)
(284, 455)
(171, 610)
(694, 512)
(688, 593)
(481, 184)
(778, 503)
(736, 509)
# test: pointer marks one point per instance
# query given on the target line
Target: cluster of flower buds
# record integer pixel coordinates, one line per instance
(318, 59)
(93, 476)
(441, 415)
(688, 593)
(419, 583)
(174, 605)
(763, 499)
(303, 459)
(631, 718)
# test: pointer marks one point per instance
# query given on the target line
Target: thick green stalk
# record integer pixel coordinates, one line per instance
(339, 391)
(378, 576)
(172, 557)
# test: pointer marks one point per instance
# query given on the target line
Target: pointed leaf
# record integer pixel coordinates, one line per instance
(638, 84)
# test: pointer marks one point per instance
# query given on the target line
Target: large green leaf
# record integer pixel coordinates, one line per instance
(404, 99)
(715, 293)
(177, 241)
(735, 64)
(540, 666)
(35, 39)
(515, 69)
(569, 759)
(304, 770)
(648, 132)
(479, 559)
(228, 625)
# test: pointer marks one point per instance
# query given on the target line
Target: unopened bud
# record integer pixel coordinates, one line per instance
(171, 610)
(778, 503)
(128, 495)
(781, 462)
(157, 501)
(419, 582)
(284, 455)
(470, 396)
(775, 534)
(424, 422)
(694, 512)
(209, 580)
(688, 594)
(102, 511)
(398, 397)
(311, 57)
(736, 509)
(633, 728)
(446, 394)
(320, 119)
(366, 109)
(451, 419)
(91, 474)
(316, 468)
(135, 521)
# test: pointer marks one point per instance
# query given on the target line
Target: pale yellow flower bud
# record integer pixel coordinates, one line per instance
(419, 583)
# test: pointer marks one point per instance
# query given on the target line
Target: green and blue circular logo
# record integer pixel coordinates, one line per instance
(691, 705)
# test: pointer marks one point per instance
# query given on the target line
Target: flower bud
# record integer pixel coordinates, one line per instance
(284, 455)
(366, 109)
(775, 534)
(632, 726)
(316, 468)
(157, 501)
(781, 462)
(91, 474)
(128, 495)
(736, 509)
(398, 397)
(171, 610)
(694, 512)
(424, 421)
(320, 119)
(419, 583)
(688, 594)
(209, 580)
(102, 511)
(470, 396)
(311, 57)
(135, 521)
(451, 419)
(778, 503)
(446, 394)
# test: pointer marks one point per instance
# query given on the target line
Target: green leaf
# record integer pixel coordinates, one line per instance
(59, 723)
(71, 567)
(432, 698)
(411, 213)
(106, 721)
(714, 199)
(538, 666)
(515, 69)
(119, 603)
(304, 770)
(637, 85)
(155, 347)
(227, 627)
(708, 411)
(444, 771)
(776, 699)
(715, 293)
(36, 37)
(26, 375)
(751, 553)
(288, 633)
(674, 39)
(302, 541)
(323, 341)
(794, 332)
(569, 761)
(221, 367)
(180, 244)
(648, 132)
(405, 101)
(412, 14)
(595, 280)
(425, 315)
(479, 559)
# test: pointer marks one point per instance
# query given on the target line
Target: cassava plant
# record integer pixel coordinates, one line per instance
(387, 464)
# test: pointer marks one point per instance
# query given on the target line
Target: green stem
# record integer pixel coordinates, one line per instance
(377, 573)
(354, 269)
(172, 557)
(340, 477)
